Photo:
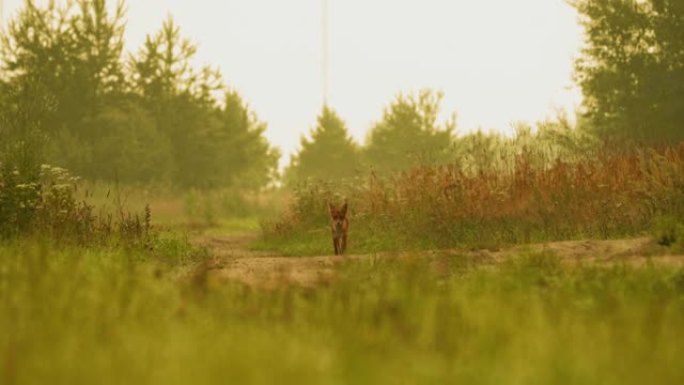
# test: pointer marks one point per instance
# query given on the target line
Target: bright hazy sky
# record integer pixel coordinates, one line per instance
(497, 61)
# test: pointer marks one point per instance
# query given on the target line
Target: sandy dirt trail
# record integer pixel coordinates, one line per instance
(233, 261)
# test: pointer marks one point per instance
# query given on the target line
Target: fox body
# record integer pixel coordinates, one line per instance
(339, 226)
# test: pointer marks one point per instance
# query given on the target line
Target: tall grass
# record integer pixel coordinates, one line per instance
(186, 209)
(83, 316)
(612, 194)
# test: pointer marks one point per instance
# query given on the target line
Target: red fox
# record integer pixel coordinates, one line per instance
(339, 224)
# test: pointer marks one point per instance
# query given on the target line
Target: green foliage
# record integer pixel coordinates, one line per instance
(668, 230)
(162, 68)
(42, 203)
(632, 69)
(124, 145)
(548, 141)
(212, 146)
(109, 316)
(70, 53)
(23, 144)
(173, 249)
(253, 158)
(330, 154)
(18, 201)
(45, 205)
(409, 128)
(409, 134)
(152, 118)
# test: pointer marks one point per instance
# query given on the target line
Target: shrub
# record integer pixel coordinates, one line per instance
(669, 231)
(46, 204)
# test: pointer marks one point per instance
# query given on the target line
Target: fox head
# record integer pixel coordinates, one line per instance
(338, 217)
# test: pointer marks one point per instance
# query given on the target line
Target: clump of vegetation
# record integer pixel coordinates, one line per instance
(668, 231)
(47, 205)
(149, 116)
(612, 195)
(631, 68)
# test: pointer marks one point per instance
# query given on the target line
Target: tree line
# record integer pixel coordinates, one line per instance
(631, 73)
(71, 96)
(410, 134)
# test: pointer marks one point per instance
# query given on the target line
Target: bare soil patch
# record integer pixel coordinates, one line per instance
(233, 261)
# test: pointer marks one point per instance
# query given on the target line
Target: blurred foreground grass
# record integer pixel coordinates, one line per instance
(87, 316)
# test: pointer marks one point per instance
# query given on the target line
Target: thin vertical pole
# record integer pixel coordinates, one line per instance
(325, 50)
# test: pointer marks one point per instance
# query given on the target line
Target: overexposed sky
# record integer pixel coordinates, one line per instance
(497, 61)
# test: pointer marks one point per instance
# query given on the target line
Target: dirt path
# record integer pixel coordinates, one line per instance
(234, 261)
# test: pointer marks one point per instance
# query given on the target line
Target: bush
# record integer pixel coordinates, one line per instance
(46, 204)
(669, 231)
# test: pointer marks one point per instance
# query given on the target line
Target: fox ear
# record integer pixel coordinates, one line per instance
(343, 210)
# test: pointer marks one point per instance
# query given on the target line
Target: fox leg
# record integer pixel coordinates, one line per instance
(343, 242)
(335, 246)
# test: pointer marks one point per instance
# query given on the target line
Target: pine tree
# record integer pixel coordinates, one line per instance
(409, 134)
(330, 153)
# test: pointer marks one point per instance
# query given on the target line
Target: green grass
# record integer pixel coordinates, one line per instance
(368, 235)
(300, 243)
(85, 316)
(235, 225)
(364, 238)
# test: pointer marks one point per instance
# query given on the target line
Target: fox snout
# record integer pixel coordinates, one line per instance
(338, 229)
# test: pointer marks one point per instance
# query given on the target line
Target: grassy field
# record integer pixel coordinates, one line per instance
(91, 292)
(73, 315)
